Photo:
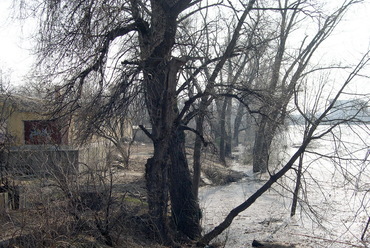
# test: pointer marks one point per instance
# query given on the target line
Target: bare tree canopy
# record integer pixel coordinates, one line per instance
(176, 61)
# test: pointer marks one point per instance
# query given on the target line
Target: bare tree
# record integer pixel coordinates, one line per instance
(121, 52)
(121, 45)
(287, 68)
(318, 126)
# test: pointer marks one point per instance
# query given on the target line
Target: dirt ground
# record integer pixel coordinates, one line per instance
(213, 172)
(44, 217)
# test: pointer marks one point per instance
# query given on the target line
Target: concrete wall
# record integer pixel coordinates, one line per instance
(39, 160)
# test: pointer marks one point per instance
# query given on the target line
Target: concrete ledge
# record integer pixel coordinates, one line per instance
(39, 160)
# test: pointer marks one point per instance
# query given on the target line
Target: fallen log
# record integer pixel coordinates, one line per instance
(256, 243)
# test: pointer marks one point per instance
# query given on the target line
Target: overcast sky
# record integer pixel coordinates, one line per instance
(347, 43)
(15, 48)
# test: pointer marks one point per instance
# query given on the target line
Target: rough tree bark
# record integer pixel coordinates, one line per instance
(160, 98)
(262, 144)
(167, 171)
(297, 186)
(222, 145)
(197, 155)
(184, 204)
(228, 145)
(237, 123)
(160, 80)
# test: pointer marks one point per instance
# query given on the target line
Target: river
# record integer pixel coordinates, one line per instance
(334, 204)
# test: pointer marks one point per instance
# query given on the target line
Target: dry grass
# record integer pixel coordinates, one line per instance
(48, 217)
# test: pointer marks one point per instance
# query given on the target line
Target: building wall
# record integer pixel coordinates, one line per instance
(12, 126)
(15, 125)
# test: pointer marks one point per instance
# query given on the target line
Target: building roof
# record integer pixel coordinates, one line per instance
(23, 103)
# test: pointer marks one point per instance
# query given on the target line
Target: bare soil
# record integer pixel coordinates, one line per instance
(45, 217)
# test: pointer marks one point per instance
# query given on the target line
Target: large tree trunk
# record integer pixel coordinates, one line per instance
(261, 148)
(267, 128)
(222, 146)
(160, 81)
(228, 140)
(297, 186)
(214, 124)
(156, 175)
(184, 204)
(160, 90)
(265, 134)
(225, 130)
(237, 123)
(167, 171)
(197, 155)
(160, 101)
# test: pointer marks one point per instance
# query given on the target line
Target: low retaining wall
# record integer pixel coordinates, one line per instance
(39, 160)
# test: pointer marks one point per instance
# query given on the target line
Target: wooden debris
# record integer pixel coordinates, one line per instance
(256, 243)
